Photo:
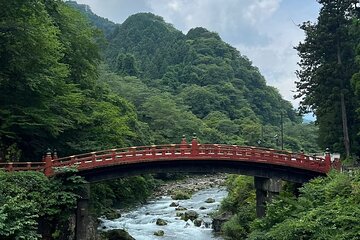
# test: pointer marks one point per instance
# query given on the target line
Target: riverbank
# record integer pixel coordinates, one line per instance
(190, 184)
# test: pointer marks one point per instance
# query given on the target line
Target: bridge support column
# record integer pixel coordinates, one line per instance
(266, 190)
(82, 214)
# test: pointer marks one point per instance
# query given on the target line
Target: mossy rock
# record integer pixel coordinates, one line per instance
(181, 196)
(161, 222)
(180, 208)
(159, 233)
(112, 214)
(198, 222)
(190, 214)
(116, 234)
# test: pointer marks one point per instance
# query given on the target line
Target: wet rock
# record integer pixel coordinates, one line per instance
(112, 214)
(159, 233)
(190, 214)
(161, 222)
(180, 214)
(174, 204)
(210, 200)
(202, 208)
(117, 234)
(180, 208)
(197, 222)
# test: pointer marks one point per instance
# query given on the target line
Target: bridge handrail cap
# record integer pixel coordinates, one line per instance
(114, 149)
(153, 145)
(173, 145)
(72, 156)
(93, 152)
(133, 147)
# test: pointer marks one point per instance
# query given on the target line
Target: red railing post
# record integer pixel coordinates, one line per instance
(10, 167)
(153, 150)
(194, 146)
(327, 160)
(183, 145)
(113, 154)
(48, 164)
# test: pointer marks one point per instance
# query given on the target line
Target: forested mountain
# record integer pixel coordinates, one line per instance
(65, 86)
(196, 83)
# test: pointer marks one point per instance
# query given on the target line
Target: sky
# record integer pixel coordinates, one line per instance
(266, 31)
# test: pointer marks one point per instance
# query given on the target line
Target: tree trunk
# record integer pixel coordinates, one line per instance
(344, 125)
(343, 106)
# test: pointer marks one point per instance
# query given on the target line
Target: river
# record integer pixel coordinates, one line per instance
(141, 222)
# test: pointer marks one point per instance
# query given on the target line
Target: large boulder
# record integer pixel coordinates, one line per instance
(190, 214)
(116, 234)
(161, 222)
(198, 222)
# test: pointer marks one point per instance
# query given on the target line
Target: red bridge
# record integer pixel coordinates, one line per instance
(184, 157)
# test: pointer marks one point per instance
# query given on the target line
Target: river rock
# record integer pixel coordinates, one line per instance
(112, 214)
(210, 200)
(180, 208)
(202, 208)
(219, 220)
(161, 222)
(174, 204)
(180, 214)
(190, 214)
(117, 234)
(159, 233)
(197, 222)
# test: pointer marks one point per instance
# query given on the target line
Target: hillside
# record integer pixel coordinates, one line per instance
(195, 82)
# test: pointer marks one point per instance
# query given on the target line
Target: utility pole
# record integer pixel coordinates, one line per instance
(282, 130)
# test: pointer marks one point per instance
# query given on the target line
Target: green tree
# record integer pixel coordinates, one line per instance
(26, 198)
(327, 64)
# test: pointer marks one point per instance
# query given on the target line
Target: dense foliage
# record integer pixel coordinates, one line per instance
(124, 192)
(22, 208)
(50, 93)
(327, 208)
(328, 62)
(240, 203)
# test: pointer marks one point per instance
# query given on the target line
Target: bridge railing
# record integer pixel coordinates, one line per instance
(22, 166)
(183, 151)
(122, 155)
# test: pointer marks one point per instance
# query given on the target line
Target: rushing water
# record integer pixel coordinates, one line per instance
(141, 222)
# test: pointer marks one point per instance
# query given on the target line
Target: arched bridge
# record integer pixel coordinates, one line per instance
(184, 157)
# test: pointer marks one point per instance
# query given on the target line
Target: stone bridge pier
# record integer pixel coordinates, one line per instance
(266, 190)
(83, 222)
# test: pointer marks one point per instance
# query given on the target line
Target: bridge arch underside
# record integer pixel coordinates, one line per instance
(286, 173)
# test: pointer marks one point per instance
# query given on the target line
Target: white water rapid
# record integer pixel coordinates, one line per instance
(141, 222)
